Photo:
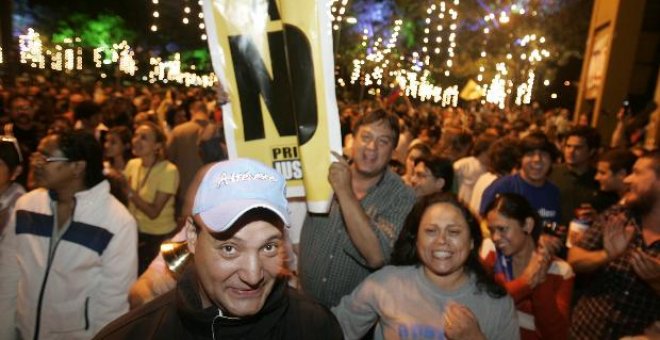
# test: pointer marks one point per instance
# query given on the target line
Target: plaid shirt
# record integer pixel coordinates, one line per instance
(330, 266)
(617, 302)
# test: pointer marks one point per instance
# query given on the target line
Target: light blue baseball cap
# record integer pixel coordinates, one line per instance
(231, 188)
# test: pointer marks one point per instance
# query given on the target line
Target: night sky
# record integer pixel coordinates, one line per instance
(136, 14)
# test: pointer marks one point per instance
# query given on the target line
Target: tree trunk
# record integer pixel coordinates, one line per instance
(9, 54)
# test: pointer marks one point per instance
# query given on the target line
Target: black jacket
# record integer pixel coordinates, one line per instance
(178, 314)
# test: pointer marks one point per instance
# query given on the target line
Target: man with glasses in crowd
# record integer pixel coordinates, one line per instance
(432, 174)
(69, 254)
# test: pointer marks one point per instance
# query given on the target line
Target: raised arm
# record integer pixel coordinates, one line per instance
(358, 224)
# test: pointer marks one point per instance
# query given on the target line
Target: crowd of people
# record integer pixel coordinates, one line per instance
(457, 223)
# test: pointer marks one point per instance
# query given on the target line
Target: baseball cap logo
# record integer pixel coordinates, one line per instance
(225, 178)
(231, 188)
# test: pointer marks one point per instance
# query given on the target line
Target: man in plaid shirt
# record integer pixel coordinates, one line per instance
(339, 249)
(622, 250)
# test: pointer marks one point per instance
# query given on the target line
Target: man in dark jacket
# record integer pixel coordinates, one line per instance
(236, 286)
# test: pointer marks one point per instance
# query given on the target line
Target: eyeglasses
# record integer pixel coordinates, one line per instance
(38, 157)
(14, 142)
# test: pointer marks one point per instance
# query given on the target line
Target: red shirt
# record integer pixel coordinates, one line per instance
(543, 312)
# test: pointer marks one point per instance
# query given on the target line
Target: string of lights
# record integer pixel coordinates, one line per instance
(154, 16)
(69, 56)
(337, 13)
(519, 65)
(200, 16)
(440, 35)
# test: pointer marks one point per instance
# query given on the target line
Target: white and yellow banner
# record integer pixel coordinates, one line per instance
(275, 60)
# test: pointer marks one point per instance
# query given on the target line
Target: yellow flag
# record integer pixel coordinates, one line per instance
(275, 60)
(471, 91)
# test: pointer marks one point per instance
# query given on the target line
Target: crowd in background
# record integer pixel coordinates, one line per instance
(525, 182)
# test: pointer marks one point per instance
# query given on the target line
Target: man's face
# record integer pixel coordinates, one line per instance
(237, 272)
(22, 111)
(535, 166)
(51, 169)
(608, 180)
(644, 186)
(576, 151)
(424, 182)
(372, 148)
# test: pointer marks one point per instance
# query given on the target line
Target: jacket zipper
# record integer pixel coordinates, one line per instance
(87, 313)
(43, 289)
(51, 257)
(213, 323)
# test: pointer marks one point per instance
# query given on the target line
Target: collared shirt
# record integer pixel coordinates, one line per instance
(617, 302)
(330, 265)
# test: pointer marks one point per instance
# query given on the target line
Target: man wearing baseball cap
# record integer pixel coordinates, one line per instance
(236, 286)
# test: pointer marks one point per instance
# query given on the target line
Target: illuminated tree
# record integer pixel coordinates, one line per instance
(101, 31)
(488, 33)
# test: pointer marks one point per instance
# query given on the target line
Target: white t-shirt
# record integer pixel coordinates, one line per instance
(467, 171)
(480, 186)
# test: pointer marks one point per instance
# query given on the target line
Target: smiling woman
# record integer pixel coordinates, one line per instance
(437, 289)
(540, 284)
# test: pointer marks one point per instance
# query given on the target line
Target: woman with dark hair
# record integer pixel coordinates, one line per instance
(117, 148)
(152, 184)
(117, 152)
(437, 287)
(540, 284)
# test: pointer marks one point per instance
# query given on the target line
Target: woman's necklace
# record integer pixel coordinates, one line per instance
(144, 180)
